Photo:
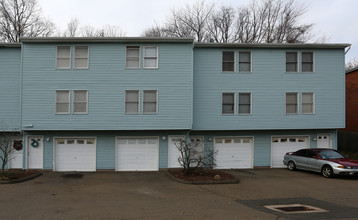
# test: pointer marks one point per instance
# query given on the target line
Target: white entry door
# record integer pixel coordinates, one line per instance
(137, 154)
(35, 147)
(16, 154)
(324, 141)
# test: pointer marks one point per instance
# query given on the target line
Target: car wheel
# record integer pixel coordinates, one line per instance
(327, 171)
(291, 165)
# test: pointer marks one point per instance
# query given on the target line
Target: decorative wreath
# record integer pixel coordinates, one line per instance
(17, 145)
(34, 143)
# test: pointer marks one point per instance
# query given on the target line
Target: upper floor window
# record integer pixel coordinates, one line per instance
(63, 57)
(80, 101)
(81, 57)
(292, 103)
(132, 102)
(150, 57)
(228, 61)
(307, 62)
(244, 103)
(228, 103)
(244, 61)
(149, 101)
(132, 57)
(291, 62)
(62, 102)
(307, 103)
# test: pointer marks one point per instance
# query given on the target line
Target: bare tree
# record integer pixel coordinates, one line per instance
(267, 21)
(20, 18)
(193, 156)
(72, 28)
(352, 63)
(110, 31)
(8, 146)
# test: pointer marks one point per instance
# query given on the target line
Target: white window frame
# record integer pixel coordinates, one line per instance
(313, 61)
(125, 102)
(57, 58)
(222, 61)
(75, 58)
(222, 99)
(139, 56)
(238, 103)
(156, 103)
(238, 57)
(156, 57)
(73, 103)
(313, 103)
(297, 104)
(297, 62)
(69, 102)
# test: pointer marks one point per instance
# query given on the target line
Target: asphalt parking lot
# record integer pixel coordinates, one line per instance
(153, 195)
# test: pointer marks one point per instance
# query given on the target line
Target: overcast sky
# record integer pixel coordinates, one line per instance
(335, 19)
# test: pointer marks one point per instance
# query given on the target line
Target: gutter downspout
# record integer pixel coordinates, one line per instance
(24, 151)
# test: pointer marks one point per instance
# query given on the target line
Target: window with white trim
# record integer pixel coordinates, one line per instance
(80, 102)
(62, 101)
(150, 57)
(149, 101)
(244, 61)
(307, 103)
(228, 103)
(81, 57)
(132, 102)
(228, 61)
(244, 104)
(291, 103)
(307, 62)
(132, 57)
(63, 59)
(291, 61)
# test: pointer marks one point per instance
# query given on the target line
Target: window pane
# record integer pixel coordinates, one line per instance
(80, 107)
(62, 107)
(150, 96)
(81, 52)
(80, 95)
(291, 109)
(244, 109)
(150, 108)
(132, 51)
(291, 98)
(307, 57)
(62, 96)
(228, 98)
(132, 107)
(228, 56)
(228, 109)
(150, 52)
(63, 63)
(228, 66)
(307, 67)
(81, 63)
(291, 67)
(307, 97)
(132, 62)
(291, 57)
(245, 67)
(132, 57)
(150, 62)
(307, 108)
(63, 57)
(244, 57)
(132, 96)
(244, 98)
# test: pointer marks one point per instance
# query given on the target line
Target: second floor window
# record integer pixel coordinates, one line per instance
(149, 101)
(291, 62)
(63, 57)
(228, 103)
(81, 57)
(244, 61)
(228, 61)
(292, 103)
(132, 57)
(307, 62)
(150, 57)
(62, 102)
(132, 102)
(80, 101)
(244, 103)
(307, 103)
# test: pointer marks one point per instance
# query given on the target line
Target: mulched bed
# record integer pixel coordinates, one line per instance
(15, 176)
(203, 177)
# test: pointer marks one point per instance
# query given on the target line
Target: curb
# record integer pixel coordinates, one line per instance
(33, 176)
(209, 182)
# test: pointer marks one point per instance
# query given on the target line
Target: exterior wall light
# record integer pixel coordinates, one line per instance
(164, 138)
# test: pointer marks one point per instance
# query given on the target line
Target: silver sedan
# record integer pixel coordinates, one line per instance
(326, 161)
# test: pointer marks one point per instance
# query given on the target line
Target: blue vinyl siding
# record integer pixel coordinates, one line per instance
(268, 84)
(106, 81)
(10, 69)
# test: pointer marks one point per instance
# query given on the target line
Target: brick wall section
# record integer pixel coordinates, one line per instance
(352, 101)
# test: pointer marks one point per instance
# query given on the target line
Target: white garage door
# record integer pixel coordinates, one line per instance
(75, 154)
(174, 153)
(234, 152)
(137, 154)
(281, 145)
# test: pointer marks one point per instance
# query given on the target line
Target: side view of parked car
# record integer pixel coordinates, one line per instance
(326, 161)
